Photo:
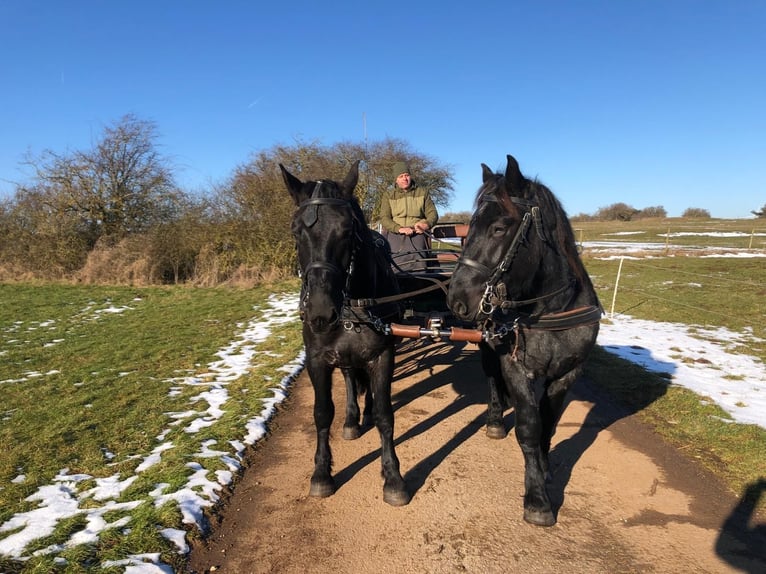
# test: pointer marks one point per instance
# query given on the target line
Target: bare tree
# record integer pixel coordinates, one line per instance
(122, 186)
(255, 209)
(761, 213)
(656, 211)
(616, 211)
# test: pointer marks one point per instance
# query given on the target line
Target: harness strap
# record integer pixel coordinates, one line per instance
(562, 320)
(324, 201)
(326, 265)
(370, 302)
(519, 238)
(501, 303)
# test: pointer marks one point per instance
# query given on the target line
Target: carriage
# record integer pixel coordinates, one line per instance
(423, 291)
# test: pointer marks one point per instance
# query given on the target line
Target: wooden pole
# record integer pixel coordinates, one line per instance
(616, 283)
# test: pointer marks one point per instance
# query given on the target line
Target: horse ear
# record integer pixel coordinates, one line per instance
(294, 186)
(486, 173)
(349, 184)
(514, 181)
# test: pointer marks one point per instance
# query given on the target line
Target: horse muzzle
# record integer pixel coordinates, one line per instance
(460, 303)
(321, 313)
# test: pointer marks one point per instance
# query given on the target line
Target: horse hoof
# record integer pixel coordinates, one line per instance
(539, 517)
(396, 497)
(496, 431)
(322, 489)
(352, 433)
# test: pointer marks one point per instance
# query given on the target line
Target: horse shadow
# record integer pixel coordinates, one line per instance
(606, 410)
(742, 540)
(465, 376)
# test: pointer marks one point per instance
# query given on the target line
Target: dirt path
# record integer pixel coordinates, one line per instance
(627, 502)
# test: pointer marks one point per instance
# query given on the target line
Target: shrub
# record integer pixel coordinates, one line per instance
(696, 212)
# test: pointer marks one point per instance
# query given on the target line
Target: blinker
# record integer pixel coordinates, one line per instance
(309, 215)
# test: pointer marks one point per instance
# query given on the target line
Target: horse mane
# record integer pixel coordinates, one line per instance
(553, 214)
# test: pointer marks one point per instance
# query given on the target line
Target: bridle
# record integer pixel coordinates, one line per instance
(495, 291)
(309, 218)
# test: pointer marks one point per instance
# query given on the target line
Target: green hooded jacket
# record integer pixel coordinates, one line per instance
(404, 208)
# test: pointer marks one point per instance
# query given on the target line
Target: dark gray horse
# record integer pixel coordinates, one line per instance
(345, 266)
(521, 278)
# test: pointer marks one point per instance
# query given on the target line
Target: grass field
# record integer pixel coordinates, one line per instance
(677, 233)
(708, 276)
(89, 380)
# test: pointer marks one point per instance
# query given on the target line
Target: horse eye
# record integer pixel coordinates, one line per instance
(498, 229)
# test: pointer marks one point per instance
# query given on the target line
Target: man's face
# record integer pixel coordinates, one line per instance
(403, 180)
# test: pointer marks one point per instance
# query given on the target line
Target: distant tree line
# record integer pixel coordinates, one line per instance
(114, 213)
(625, 212)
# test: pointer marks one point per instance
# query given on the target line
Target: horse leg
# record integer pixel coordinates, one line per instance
(368, 418)
(351, 429)
(551, 408)
(394, 489)
(537, 504)
(322, 483)
(357, 382)
(495, 405)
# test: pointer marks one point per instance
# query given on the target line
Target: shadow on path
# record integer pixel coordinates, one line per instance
(742, 539)
(605, 412)
(466, 378)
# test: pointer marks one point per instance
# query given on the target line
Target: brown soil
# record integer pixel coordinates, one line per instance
(625, 501)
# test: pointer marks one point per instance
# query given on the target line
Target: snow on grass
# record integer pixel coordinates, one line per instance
(63, 499)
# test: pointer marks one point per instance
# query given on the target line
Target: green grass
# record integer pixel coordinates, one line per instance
(709, 292)
(80, 383)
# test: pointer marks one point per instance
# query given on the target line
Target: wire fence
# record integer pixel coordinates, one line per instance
(729, 299)
(679, 236)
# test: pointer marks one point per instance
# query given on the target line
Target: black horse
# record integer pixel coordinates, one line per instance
(521, 277)
(346, 271)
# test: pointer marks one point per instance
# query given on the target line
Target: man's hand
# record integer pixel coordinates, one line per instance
(407, 231)
(421, 227)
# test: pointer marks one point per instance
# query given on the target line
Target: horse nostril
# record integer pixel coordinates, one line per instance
(322, 323)
(457, 306)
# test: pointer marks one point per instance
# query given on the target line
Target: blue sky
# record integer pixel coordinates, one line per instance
(647, 102)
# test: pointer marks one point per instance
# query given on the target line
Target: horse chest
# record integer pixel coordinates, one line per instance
(349, 351)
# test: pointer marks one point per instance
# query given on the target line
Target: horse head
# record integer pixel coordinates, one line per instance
(325, 226)
(512, 252)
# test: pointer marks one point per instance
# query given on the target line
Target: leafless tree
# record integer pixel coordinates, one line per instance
(120, 187)
(255, 209)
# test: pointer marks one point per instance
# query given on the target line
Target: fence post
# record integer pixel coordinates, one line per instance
(752, 234)
(616, 283)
